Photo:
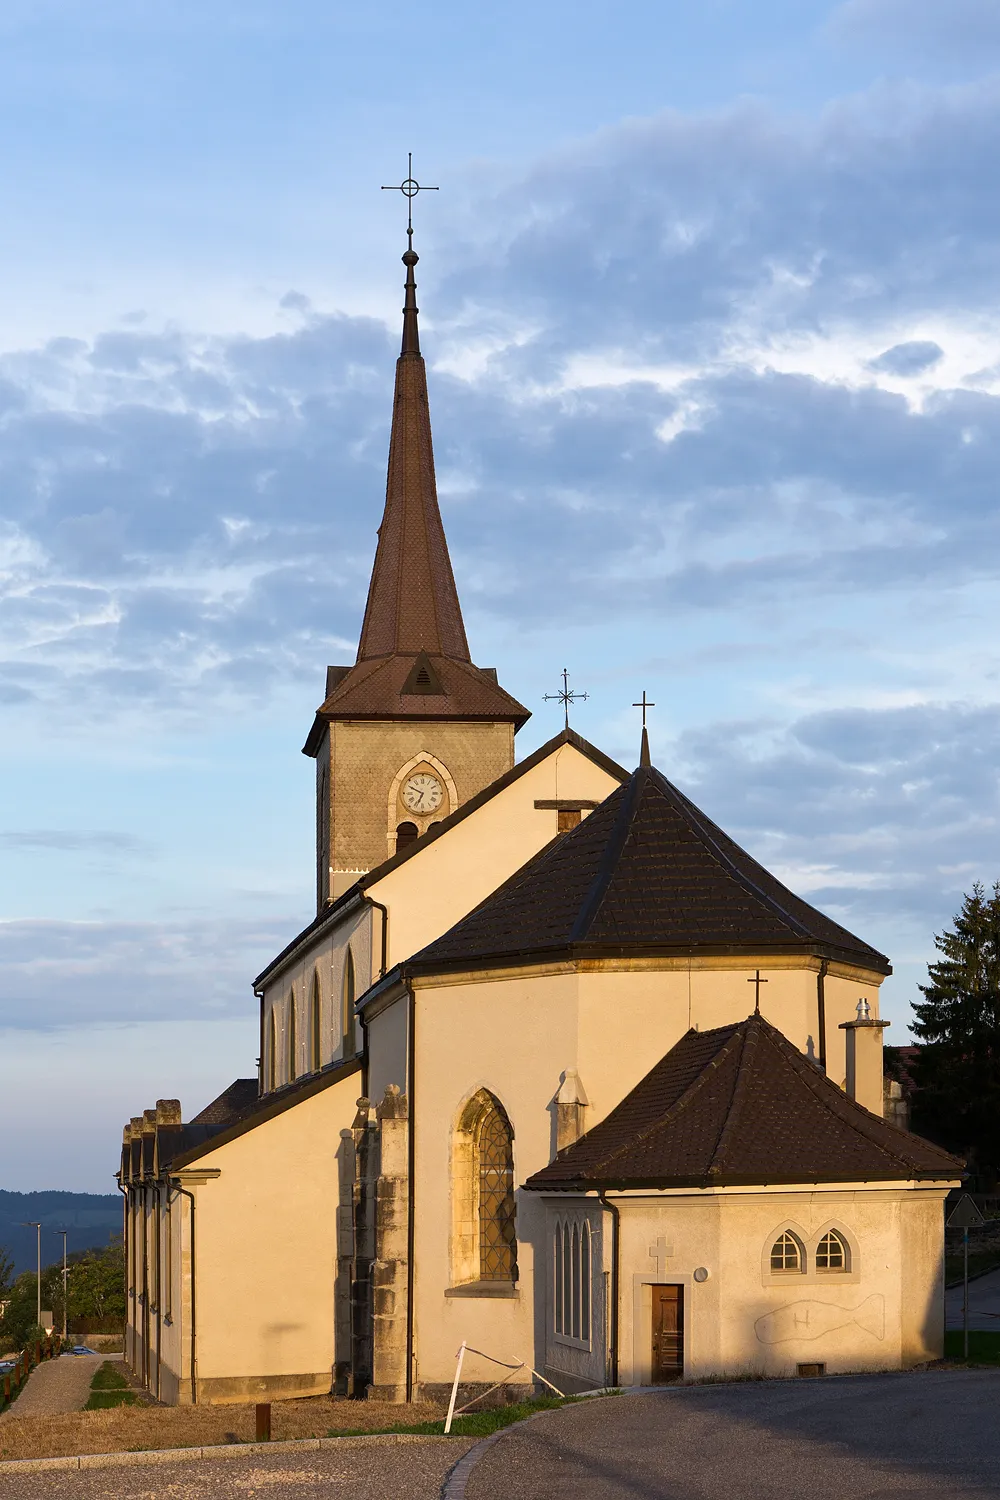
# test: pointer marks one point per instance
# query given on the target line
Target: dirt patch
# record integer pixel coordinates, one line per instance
(128, 1429)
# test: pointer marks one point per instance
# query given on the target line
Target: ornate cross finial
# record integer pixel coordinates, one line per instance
(644, 758)
(565, 696)
(756, 981)
(409, 187)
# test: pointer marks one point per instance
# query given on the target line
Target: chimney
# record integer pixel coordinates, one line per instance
(864, 1058)
(168, 1111)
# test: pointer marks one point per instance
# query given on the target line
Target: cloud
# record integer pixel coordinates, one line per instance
(911, 358)
(963, 28)
(75, 841)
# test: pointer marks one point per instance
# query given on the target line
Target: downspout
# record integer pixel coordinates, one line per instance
(616, 1245)
(125, 1257)
(145, 1284)
(411, 1158)
(821, 1010)
(260, 1059)
(194, 1282)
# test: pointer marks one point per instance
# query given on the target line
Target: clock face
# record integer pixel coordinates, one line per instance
(423, 793)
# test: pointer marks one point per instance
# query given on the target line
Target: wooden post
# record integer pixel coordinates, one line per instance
(262, 1413)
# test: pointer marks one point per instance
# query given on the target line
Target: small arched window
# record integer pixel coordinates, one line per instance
(348, 997)
(272, 1053)
(292, 1039)
(832, 1253)
(572, 1280)
(494, 1158)
(314, 1026)
(787, 1253)
(406, 833)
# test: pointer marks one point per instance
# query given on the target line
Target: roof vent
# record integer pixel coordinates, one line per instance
(422, 677)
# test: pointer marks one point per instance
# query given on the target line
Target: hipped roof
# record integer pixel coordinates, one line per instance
(740, 1105)
(647, 872)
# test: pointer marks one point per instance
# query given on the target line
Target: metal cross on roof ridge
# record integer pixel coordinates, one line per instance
(566, 696)
(409, 187)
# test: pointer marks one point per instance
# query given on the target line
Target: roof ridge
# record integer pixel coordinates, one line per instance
(608, 862)
(733, 1121)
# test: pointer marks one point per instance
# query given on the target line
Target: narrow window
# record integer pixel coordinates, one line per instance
(272, 1053)
(314, 1026)
(786, 1253)
(347, 1006)
(560, 1282)
(576, 1282)
(832, 1253)
(406, 833)
(292, 1040)
(572, 1253)
(495, 1161)
(585, 1283)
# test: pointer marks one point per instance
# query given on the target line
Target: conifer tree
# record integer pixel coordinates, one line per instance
(958, 1022)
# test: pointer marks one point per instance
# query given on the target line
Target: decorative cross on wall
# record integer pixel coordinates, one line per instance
(565, 697)
(661, 1253)
(409, 187)
(756, 981)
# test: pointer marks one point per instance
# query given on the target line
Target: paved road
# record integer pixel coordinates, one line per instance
(351, 1471)
(984, 1303)
(56, 1386)
(933, 1435)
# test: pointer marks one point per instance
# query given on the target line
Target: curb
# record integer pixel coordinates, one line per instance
(191, 1455)
(454, 1485)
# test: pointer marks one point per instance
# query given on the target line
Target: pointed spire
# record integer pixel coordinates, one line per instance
(644, 757)
(412, 599)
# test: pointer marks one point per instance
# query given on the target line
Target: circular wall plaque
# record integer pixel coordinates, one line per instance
(701, 1273)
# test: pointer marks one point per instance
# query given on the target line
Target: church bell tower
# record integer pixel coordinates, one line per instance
(411, 730)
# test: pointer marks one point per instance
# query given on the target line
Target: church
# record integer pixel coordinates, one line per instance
(557, 1071)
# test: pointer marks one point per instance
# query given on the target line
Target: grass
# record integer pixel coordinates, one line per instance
(984, 1345)
(473, 1423)
(110, 1388)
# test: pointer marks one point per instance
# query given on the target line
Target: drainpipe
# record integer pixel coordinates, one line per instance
(411, 1157)
(260, 1059)
(821, 1010)
(194, 1282)
(616, 1245)
(126, 1251)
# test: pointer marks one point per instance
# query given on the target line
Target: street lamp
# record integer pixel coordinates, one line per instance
(64, 1233)
(34, 1224)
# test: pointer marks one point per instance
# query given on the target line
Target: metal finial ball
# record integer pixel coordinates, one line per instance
(410, 257)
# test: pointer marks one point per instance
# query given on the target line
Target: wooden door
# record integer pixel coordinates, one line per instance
(668, 1334)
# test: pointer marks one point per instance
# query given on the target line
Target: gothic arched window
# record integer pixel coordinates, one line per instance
(348, 997)
(494, 1156)
(292, 1039)
(832, 1253)
(272, 1053)
(315, 1059)
(787, 1253)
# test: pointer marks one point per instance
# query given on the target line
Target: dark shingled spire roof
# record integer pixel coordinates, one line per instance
(413, 657)
(646, 872)
(740, 1105)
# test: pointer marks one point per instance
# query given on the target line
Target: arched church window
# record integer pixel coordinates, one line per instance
(292, 1039)
(348, 997)
(272, 1053)
(494, 1156)
(406, 833)
(315, 1059)
(571, 1253)
(787, 1253)
(832, 1253)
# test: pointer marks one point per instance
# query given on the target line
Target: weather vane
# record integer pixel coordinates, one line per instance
(565, 697)
(409, 187)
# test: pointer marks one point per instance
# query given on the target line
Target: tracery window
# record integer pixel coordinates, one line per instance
(787, 1253)
(832, 1253)
(347, 1006)
(272, 1053)
(495, 1160)
(292, 1039)
(315, 1058)
(571, 1254)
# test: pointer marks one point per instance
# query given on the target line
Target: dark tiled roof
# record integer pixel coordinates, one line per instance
(373, 689)
(740, 1105)
(239, 1099)
(331, 913)
(646, 872)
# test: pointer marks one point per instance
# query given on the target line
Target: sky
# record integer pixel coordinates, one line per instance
(709, 302)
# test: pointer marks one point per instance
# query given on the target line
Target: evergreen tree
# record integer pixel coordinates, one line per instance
(958, 1022)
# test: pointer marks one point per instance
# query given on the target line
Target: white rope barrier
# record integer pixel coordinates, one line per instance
(504, 1364)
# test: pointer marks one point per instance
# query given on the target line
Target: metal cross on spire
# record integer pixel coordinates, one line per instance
(409, 187)
(644, 756)
(565, 696)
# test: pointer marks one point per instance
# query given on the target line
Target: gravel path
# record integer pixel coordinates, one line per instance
(363, 1470)
(57, 1386)
(889, 1437)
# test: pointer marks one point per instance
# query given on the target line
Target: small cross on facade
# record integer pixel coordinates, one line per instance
(565, 697)
(756, 981)
(661, 1253)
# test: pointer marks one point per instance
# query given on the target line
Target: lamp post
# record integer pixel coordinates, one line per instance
(64, 1233)
(34, 1224)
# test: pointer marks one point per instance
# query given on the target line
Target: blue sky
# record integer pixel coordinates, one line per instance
(709, 297)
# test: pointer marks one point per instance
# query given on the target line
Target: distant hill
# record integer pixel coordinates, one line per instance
(90, 1218)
